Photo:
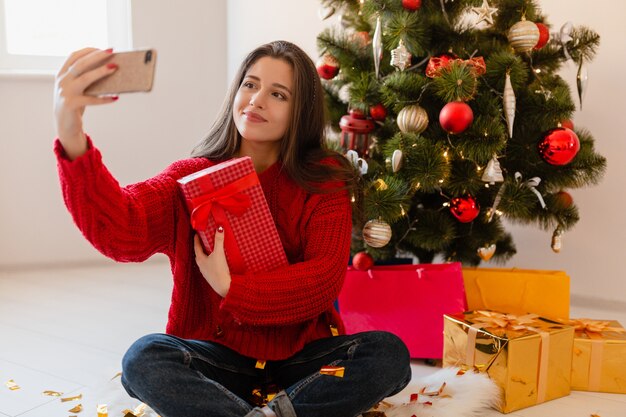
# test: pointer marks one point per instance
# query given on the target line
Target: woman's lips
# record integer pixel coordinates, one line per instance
(254, 117)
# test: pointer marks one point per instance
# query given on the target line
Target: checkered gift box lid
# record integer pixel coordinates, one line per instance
(254, 231)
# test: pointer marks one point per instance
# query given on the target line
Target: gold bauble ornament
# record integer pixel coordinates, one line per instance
(376, 233)
(412, 119)
(487, 252)
(523, 36)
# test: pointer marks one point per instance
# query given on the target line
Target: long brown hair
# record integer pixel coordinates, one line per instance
(304, 145)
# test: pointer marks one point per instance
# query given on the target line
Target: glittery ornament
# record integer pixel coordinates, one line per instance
(487, 252)
(396, 160)
(376, 233)
(493, 172)
(377, 45)
(465, 209)
(509, 103)
(401, 57)
(485, 13)
(362, 261)
(523, 36)
(557, 240)
(581, 81)
(559, 146)
(412, 119)
(327, 67)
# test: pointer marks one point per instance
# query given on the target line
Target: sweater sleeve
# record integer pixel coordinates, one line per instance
(303, 290)
(127, 224)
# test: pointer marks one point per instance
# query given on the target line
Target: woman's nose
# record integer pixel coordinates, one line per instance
(256, 100)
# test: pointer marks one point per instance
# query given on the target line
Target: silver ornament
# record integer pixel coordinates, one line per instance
(509, 104)
(412, 119)
(493, 172)
(377, 45)
(487, 252)
(557, 240)
(523, 36)
(325, 12)
(376, 233)
(396, 160)
(581, 81)
(485, 12)
(401, 57)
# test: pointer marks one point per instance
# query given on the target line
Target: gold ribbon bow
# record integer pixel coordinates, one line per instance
(594, 326)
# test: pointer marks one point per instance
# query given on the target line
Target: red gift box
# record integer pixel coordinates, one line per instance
(229, 195)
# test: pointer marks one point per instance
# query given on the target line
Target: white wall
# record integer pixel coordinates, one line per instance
(139, 135)
(189, 91)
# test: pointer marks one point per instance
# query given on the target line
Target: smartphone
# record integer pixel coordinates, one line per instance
(135, 73)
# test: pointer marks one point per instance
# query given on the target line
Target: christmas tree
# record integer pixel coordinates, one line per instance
(456, 118)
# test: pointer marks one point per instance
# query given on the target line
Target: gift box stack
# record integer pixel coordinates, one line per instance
(533, 357)
(512, 324)
(229, 195)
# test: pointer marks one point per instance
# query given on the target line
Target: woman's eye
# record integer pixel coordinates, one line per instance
(248, 84)
(280, 96)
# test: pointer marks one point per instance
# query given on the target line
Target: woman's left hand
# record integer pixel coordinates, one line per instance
(214, 267)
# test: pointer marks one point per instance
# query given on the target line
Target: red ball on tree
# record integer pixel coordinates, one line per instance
(327, 67)
(356, 113)
(465, 208)
(378, 112)
(563, 200)
(411, 5)
(455, 117)
(568, 124)
(559, 146)
(544, 35)
(362, 261)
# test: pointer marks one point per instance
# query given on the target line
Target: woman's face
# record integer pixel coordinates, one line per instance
(262, 105)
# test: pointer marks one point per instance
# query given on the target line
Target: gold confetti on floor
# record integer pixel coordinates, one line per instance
(52, 393)
(76, 409)
(12, 385)
(74, 398)
(116, 375)
(137, 412)
(102, 410)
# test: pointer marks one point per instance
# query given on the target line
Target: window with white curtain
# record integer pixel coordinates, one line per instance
(37, 35)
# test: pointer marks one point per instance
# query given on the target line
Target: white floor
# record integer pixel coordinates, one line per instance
(66, 330)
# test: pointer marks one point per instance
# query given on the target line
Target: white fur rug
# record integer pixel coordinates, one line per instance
(445, 393)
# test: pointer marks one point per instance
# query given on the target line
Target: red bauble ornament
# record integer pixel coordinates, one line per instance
(378, 112)
(568, 124)
(362, 261)
(465, 209)
(411, 5)
(563, 200)
(559, 146)
(356, 113)
(455, 117)
(544, 35)
(327, 67)
(437, 63)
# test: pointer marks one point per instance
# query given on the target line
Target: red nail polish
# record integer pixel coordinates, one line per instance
(111, 65)
(109, 51)
(115, 98)
(220, 229)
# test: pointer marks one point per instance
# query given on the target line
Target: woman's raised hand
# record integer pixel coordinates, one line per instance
(81, 69)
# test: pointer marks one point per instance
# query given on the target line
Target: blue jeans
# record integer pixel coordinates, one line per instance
(193, 378)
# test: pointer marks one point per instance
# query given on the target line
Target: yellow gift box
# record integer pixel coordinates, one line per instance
(529, 357)
(518, 291)
(599, 357)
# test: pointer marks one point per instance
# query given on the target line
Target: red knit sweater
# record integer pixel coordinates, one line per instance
(267, 316)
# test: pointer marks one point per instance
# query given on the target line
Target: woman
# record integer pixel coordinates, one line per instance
(229, 335)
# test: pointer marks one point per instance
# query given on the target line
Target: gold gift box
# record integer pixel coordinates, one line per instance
(599, 359)
(527, 356)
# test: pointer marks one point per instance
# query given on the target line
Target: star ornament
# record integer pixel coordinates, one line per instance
(485, 12)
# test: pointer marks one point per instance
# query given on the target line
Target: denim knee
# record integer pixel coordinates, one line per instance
(143, 354)
(392, 356)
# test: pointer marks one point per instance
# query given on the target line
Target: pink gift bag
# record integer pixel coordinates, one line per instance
(407, 300)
